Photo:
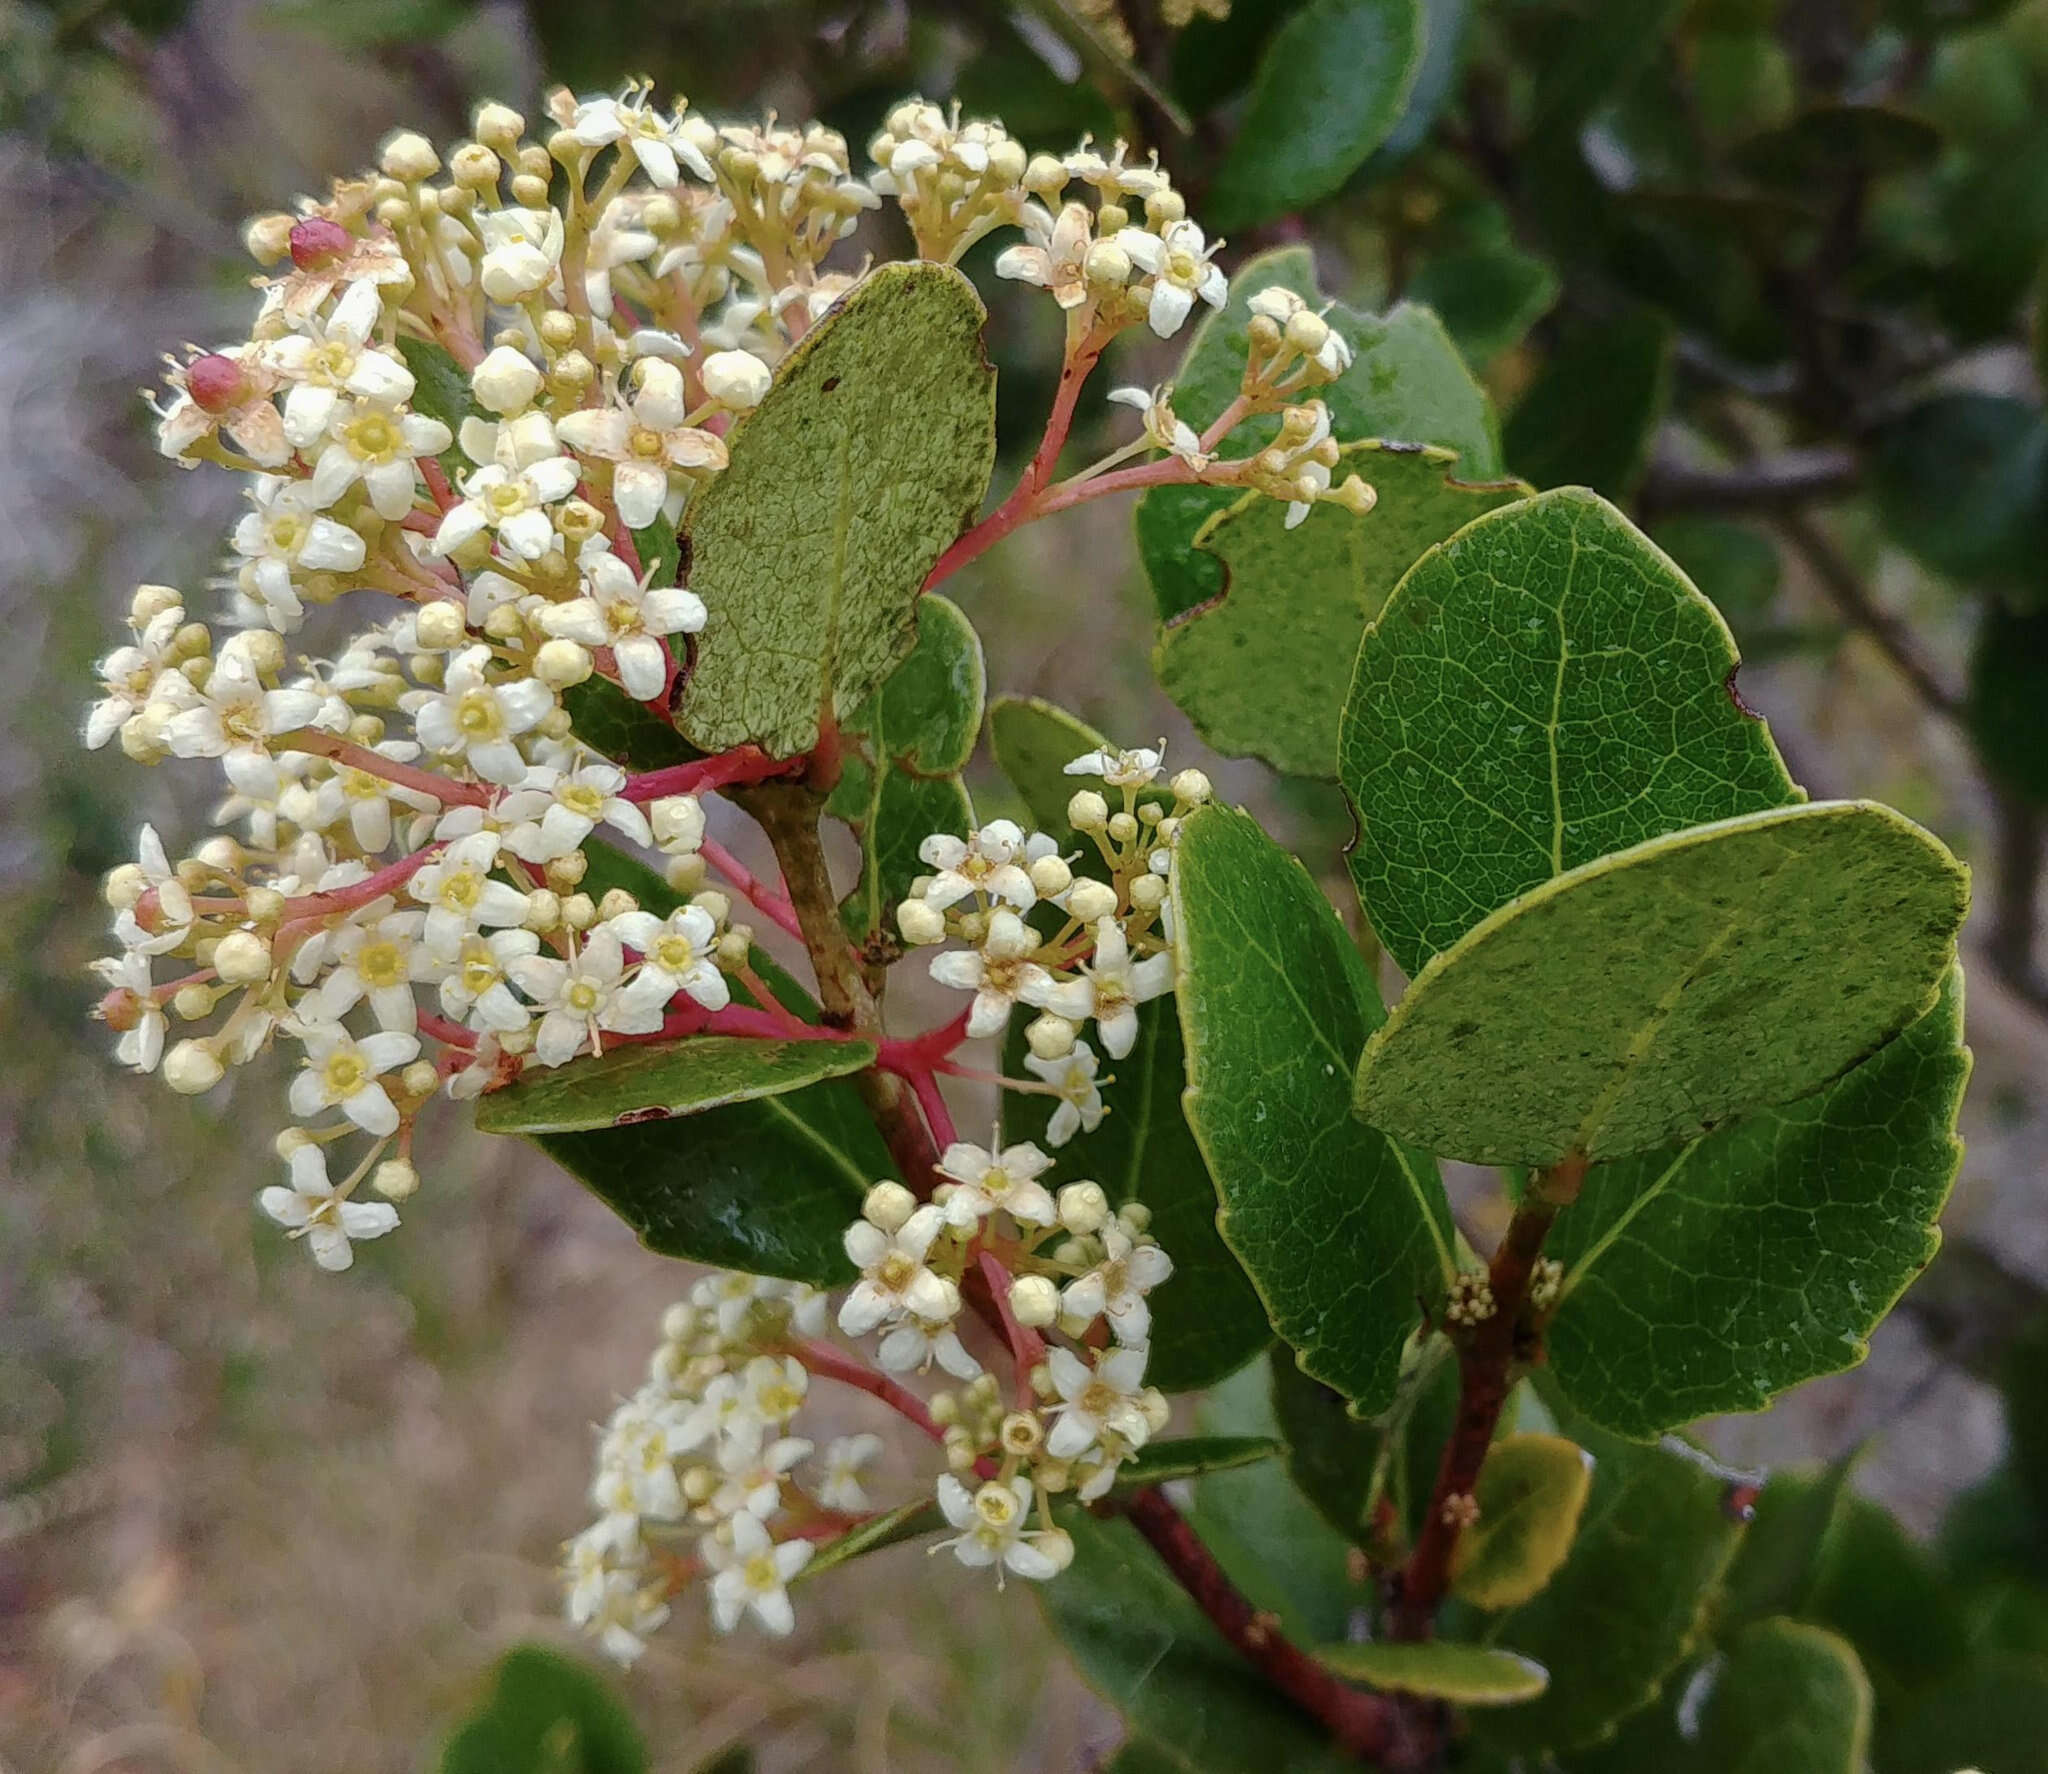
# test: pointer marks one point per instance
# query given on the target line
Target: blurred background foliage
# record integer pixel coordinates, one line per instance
(1772, 273)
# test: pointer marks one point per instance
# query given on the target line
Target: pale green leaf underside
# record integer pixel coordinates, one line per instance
(651, 1082)
(1262, 669)
(1530, 1494)
(868, 457)
(1440, 1669)
(1654, 994)
(1339, 1228)
(1711, 1278)
(1544, 689)
(1787, 1698)
(1189, 1456)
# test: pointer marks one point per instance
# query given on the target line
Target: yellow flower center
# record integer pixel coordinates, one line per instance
(581, 798)
(582, 997)
(343, 1072)
(461, 890)
(372, 437)
(477, 717)
(506, 499)
(674, 953)
(761, 1573)
(381, 964)
(648, 445)
(896, 1271)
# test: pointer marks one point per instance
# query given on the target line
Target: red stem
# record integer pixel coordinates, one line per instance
(1027, 1347)
(770, 901)
(744, 763)
(442, 789)
(937, 1117)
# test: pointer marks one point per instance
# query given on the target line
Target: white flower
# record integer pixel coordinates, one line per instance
(507, 380)
(737, 379)
(285, 535)
(678, 955)
(521, 250)
(368, 800)
(134, 1011)
(1163, 429)
(624, 1612)
(377, 961)
(1073, 1078)
(1116, 1287)
(513, 502)
(1300, 466)
(758, 1578)
(473, 988)
(480, 718)
(845, 1458)
(991, 1521)
(753, 1478)
(328, 358)
(643, 440)
(626, 614)
(310, 1209)
(1055, 253)
(655, 141)
(174, 912)
(1106, 1399)
(991, 1182)
(379, 447)
(459, 894)
(235, 720)
(1178, 259)
(227, 391)
(579, 998)
(985, 862)
(1000, 977)
(130, 676)
(1120, 769)
(913, 1345)
(552, 811)
(343, 1073)
(895, 1281)
(1120, 985)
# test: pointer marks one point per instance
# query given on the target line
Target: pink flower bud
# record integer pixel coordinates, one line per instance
(217, 384)
(316, 241)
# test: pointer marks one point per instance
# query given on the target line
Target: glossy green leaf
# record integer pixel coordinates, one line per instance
(1034, 741)
(1713, 1277)
(1339, 1228)
(1961, 481)
(2008, 701)
(1488, 295)
(1190, 1456)
(1262, 668)
(1407, 381)
(1334, 1457)
(1786, 1698)
(1544, 689)
(890, 1527)
(1444, 25)
(1207, 1321)
(546, 1715)
(1531, 1492)
(440, 385)
(868, 457)
(634, 734)
(1441, 1669)
(654, 1081)
(1652, 995)
(1145, 1647)
(1624, 1609)
(1590, 416)
(1332, 83)
(902, 783)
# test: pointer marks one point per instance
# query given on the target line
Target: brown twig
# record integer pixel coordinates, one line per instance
(2017, 860)
(1767, 483)
(1376, 1727)
(1487, 1358)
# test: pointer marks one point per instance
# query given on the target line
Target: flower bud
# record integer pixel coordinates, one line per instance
(314, 241)
(439, 626)
(409, 156)
(1034, 1301)
(1307, 331)
(124, 886)
(1044, 175)
(191, 1003)
(1106, 263)
(564, 872)
(241, 958)
(677, 822)
(1193, 787)
(578, 913)
(713, 904)
(888, 1206)
(1050, 1036)
(268, 238)
(1084, 1208)
(474, 167)
(1123, 827)
(506, 381)
(192, 1068)
(265, 904)
(1058, 1545)
(735, 948)
(1087, 811)
(1092, 901)
(1158, 1413)
(543, 909)
(1007, 162)
(290, 1140)
(679, 1322)
(216, 383)
(1148, 892)
(739, 379)
(685, 874)
(920, 923)
(1050, 876)
(616, 903)
(419, 1079)
(561, 664)
(499, 126)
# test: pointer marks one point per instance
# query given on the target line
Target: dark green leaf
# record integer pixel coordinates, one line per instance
(1788, 1698)
(1331, 85)
(1544, 689)
(1835, 141)
(907, 1521)
(1531, 1493)
(2008, 703)
(1333, 1456)
(1213, 58)
(1881, 1591)
(1779, 1560)
(546, 1715)
(1591, 414)
(1619, 1617)
(1488, 295)
(1444, 24)
(660, 552)
(653, 1081)
(1340, 1229)
(1439, 1669)
(1710, 1278)
(634, 734)
(1262, 669)
(1992, 1716)
(868, 457)
(1206, 1318)
(1189, 1456)
(1597, 52)
(1034, 741)
(440, 384)
(1716, 971)
(1734, 566)
(1962, 481)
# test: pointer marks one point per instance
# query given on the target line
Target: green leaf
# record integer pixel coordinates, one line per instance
(1590, 416)
(1189, 1456)
(1207, 1321)
(1993, 1716)
(767, 1186)
(1444, 24)
(1332, 1456)
(660, 551)
(634, 734)
(1488, 295)
(1331, 85)
(1543, 689)
(1656, 993)
(1879, 1589)
(1623, 1611)
(440, 385)
(1961, 481)
(1832, 142)
(1779, 1560)
(915, 735)
(1339, 1229)
(1262, 668)
(1788, 1698)
(868, 457)
(1735, 567)
(1531, 1492)
(2008, 701)
(891, 1527)
(653, 1081)
(1711, 1278)
(1406, 381)
(1034, 741)
(1440, 1669)
(546, 1715)
(1146, 1649)
(1601, 49)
